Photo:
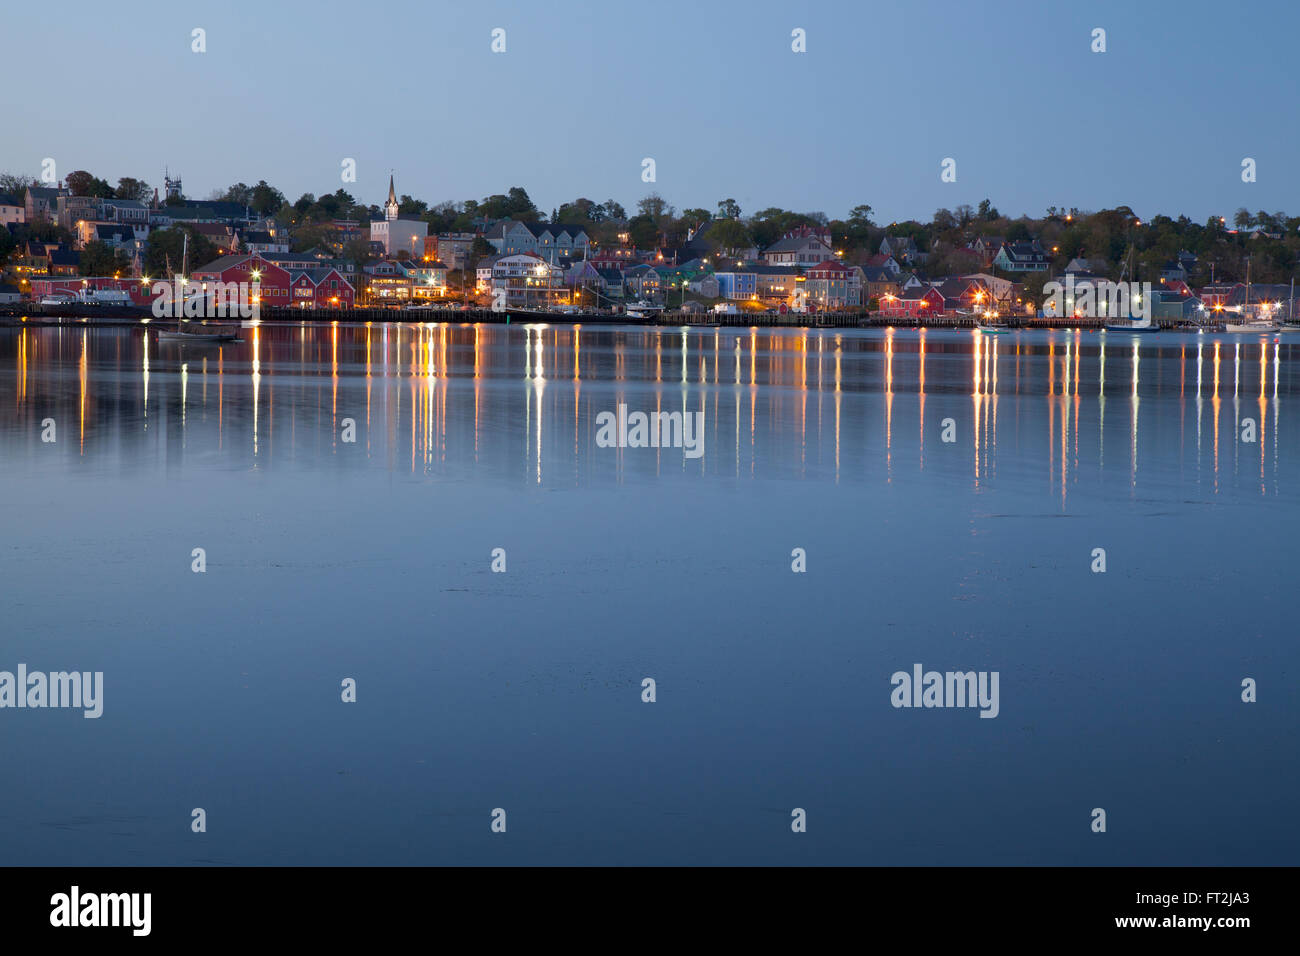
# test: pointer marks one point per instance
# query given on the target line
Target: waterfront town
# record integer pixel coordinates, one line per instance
(82, 241)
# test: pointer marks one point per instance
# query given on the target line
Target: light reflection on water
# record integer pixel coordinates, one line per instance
(501, 403)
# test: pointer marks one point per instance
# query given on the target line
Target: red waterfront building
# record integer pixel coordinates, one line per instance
(282, 286)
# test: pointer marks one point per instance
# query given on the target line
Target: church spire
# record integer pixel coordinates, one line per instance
(391, 207)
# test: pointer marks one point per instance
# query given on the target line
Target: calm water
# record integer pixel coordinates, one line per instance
(476, 690)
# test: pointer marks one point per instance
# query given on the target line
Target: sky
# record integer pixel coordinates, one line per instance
(711, 91)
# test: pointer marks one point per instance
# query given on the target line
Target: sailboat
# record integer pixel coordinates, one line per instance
(1134, 325)
(197, 332)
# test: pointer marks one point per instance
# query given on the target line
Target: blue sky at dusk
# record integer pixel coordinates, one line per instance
(711, 91)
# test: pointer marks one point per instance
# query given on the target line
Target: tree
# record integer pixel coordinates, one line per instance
(987, 212)
(614, 210)
(729, 209)
(357, 251)
(653, 206)
(860, 217)
(83, 183)
(241, 193)
(412, 207)
(696, 217)
(312, 235)
(577, 211)
(164, 250)
(730, 234)
(101, 259)
(644, 231)
(265, 198)
(15, 184)
(1242, 219)
(943, 221)
(130, 188)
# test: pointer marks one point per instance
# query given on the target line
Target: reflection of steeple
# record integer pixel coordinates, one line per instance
(390, 207)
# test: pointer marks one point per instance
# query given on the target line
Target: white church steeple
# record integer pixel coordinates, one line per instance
(390, 207)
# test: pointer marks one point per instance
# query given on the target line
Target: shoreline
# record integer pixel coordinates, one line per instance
(134, 316)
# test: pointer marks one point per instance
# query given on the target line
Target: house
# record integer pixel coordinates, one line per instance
(1166, 304)
(1003, 294)
(219, 234)
(779, 283)
(799, 247)
(877, 282)
(1173, 270)
(960, 295)
(611, 280)
(234, 269)
(908, 281)
(1217, 296)
(65, 262)
(1022, 256)
(833, 285)
(900, 248)
(118, 235)
(125, 211)
(737, 283)
(641, 281)
(483, 273)
(987, 247)
(453, 248)
(551, 241)
(42, 202)
(429, 277)
(258, 241)
(705, 284)
(397, 233)
(387, 281)
(9, 294)
(912, 304)
(72, 211)
(320, 289)
(883, 261)
(583, 274)
(11, 211)
(527, 281)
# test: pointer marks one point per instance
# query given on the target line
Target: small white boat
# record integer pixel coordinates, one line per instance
(1254, 325)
